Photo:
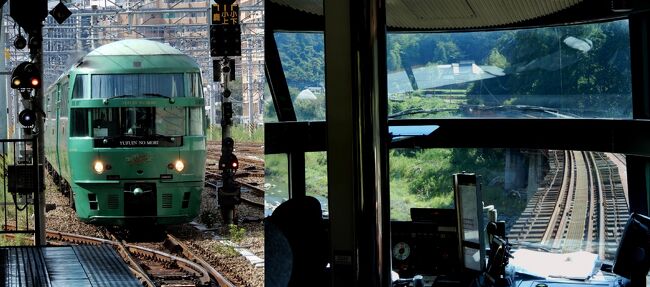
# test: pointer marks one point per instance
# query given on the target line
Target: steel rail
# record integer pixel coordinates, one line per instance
(223, 282)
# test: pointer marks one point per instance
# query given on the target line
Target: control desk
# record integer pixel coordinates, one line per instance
(428, 246)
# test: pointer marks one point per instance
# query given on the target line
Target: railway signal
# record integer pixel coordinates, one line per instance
(27, 118)
(225, 41)
(20, 42)
(26, 76)
(225, 30)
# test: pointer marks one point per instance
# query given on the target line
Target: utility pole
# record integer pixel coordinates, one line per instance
(225, 42)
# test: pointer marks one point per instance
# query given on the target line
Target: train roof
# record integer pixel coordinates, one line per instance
(134, 47)
(135, 56)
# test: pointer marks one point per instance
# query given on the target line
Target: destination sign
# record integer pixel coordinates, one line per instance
(174, 141)
(225, 14)
(139, 143)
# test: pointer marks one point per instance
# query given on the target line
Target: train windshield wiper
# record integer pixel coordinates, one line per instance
(522, 108)
(533, 246)
(415, 111)
(156, 95)
(118, 97)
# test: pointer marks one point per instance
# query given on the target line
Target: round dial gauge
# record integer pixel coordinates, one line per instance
(401, 251)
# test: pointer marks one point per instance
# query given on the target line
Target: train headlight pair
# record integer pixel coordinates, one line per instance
(178, 165)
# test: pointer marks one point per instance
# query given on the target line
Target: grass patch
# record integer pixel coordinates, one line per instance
(225, 250)
(239, 133)
(235, 233)
(16, 240)
(316, 173)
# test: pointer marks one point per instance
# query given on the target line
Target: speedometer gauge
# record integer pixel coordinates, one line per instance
(401, 251)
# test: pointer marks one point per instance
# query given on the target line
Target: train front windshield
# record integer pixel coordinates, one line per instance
(129, 85)
(141, 121)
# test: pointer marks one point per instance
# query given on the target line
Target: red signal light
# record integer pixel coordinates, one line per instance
(35, 82)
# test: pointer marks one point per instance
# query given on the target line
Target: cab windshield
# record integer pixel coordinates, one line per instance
(138, 121)
(578, 71)
(137, 85)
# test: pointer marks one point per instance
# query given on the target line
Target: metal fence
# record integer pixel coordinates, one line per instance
(19, 214)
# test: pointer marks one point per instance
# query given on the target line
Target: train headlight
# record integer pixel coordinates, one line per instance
(99, 167)
(179, 165)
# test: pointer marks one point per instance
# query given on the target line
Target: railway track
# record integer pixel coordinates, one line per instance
(251, 194)
(151, 266)
(583, 205)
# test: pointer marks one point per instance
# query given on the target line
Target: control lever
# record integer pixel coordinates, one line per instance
(499, 254)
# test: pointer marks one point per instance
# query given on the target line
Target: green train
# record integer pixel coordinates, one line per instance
(125, 133)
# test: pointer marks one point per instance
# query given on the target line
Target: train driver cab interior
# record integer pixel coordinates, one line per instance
(457, 143)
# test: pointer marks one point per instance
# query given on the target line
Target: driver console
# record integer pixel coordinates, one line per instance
(426, 245)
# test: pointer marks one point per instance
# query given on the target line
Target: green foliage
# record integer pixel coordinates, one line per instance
(303, 57)
(310, 110)
(416, 100)
(225, 250)
(276, 175)
(235, 233)
(423, 178)
(316, 173)
(497, 59)
(209, 218)
(16, 240)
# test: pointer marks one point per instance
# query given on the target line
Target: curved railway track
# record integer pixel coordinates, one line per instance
(582, 206)
(153, 267)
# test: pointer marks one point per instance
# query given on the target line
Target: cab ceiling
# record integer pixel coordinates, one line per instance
(452, 14)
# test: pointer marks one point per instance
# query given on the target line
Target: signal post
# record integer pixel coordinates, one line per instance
(27, 79)
(225, 42)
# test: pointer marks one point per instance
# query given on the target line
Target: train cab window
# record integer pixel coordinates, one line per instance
(417, 181)
(276, 176)
(276, 181)
(79, 122)
(552, 201)
(303, 64)
(138, 121)
(196, 121)
(63, 97)
(316, 178)
(270, 116)
(170, 121)
(81, 87)
(131, 85)
(196, 88)
(577, 71)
